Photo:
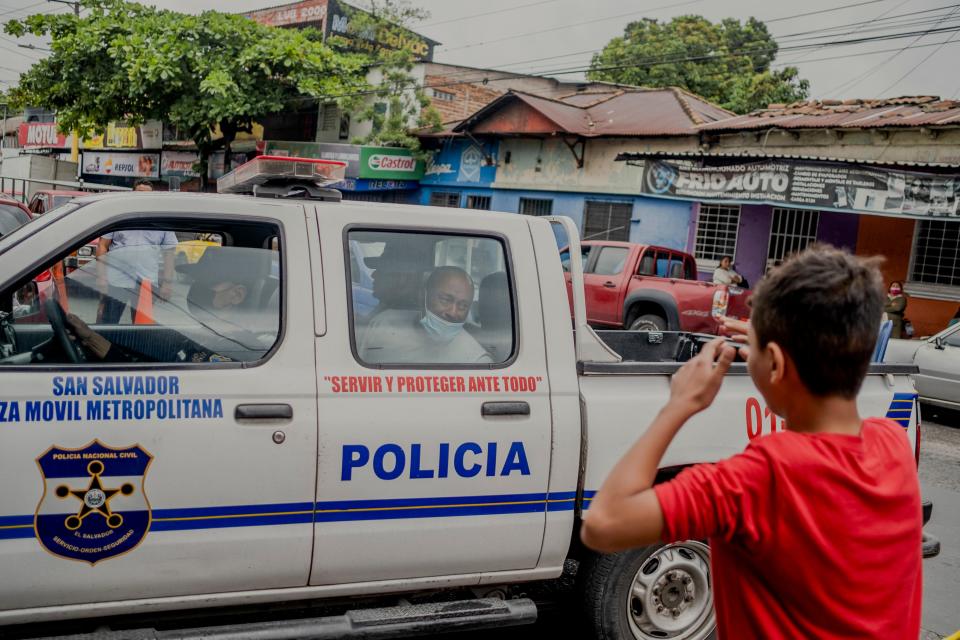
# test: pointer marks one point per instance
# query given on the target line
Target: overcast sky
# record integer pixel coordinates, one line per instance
(543, 35)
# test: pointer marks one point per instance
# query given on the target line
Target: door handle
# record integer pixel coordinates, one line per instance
(263, 412)
(488, 409)
(609, 285)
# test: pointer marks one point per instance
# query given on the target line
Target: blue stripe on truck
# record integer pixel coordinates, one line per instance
(12, 527)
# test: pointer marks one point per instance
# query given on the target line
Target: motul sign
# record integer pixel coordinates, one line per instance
(380, 162)
(41, 134)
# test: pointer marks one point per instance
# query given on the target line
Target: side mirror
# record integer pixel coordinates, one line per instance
(939, 344)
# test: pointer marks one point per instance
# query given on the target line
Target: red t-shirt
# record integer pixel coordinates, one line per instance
(811, 535)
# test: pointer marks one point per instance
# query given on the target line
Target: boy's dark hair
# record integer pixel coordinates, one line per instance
(823, 307)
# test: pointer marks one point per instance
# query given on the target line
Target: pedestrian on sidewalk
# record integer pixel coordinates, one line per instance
(895, 306)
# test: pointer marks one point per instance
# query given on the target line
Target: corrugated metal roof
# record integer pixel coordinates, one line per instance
(907, 111)
(770, 155)
(621, 112)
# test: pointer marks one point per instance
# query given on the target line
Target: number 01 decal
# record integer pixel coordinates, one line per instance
(755, 417)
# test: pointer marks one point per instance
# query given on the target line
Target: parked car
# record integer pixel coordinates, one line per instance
(47, 199)
(938, 361)
(648, 288)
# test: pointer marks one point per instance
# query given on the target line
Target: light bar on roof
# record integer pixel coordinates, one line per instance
(263, 169)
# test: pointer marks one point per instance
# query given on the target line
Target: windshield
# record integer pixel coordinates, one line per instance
(34, 225)
(60, 201)
(11, 217)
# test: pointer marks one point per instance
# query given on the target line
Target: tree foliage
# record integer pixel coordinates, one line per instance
(201, 73)
(397, 98)
(728, 63)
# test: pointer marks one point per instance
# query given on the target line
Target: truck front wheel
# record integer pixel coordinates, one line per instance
(661, 591)
(649, 322)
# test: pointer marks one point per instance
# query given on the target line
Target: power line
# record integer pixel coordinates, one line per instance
(914, 67)
(29, 6)
(748, 52)
(777, 38)
(546, 68)
(815, 13)
(578, 24)
(486, 79)
(624, 15)
(487, 13)
(846, 86)
(786, 63)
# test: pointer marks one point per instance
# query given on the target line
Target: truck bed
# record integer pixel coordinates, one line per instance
(645, 352)
(619, 400)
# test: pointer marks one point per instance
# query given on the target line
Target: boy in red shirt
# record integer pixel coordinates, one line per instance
(815, 532)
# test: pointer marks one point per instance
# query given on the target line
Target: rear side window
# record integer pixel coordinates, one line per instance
(426, 299)
(584, 257)
(610, 261)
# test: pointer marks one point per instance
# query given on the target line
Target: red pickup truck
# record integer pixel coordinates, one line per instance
(646, 288)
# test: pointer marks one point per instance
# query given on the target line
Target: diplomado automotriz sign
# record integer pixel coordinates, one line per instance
(806, 185)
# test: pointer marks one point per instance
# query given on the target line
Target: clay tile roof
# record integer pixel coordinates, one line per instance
(905, 111)
(615, 112)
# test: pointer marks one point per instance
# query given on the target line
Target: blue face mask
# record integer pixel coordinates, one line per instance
(440, 329)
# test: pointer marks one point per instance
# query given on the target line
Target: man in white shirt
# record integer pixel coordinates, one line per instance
(724, 274)
(434, 336)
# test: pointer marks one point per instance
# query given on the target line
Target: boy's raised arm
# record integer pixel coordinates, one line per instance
(625, 512)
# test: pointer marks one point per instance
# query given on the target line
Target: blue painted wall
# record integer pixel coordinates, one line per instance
(462, 163)
(654, 221)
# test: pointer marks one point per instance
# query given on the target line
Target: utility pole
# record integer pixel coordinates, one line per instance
(75, 144)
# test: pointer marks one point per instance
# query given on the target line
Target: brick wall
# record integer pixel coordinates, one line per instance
(457, 101)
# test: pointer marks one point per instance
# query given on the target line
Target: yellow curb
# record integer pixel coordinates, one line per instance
(954, 636)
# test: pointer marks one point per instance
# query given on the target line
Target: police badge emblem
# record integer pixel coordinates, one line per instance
(93, 505)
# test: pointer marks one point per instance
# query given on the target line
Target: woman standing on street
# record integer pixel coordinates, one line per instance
(895, 306)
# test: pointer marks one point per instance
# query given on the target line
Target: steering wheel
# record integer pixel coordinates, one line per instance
(58, 321)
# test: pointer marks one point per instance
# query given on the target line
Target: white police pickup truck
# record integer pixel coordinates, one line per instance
(342, 402)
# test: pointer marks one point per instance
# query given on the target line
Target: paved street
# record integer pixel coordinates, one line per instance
(940, 480)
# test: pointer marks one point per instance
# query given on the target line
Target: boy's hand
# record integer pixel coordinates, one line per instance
(696, 384)
(737, 330)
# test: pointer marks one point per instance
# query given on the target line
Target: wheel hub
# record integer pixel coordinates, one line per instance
(674, 591)
(670, 596)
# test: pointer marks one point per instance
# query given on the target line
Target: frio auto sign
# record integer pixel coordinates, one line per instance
(379, 162)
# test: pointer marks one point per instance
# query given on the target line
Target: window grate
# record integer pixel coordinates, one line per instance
(445, 199)
(607, 220)
(791, 231)
(936, 253)
(717, 228)
(536, 206)
(478, 202)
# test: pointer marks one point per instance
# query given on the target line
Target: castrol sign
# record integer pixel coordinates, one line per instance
(379, 162)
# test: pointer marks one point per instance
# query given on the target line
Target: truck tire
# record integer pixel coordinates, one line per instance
(660, 591)
(649, 322)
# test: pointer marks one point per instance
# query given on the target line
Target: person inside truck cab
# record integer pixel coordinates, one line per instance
(434, 334)
(222, 281)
